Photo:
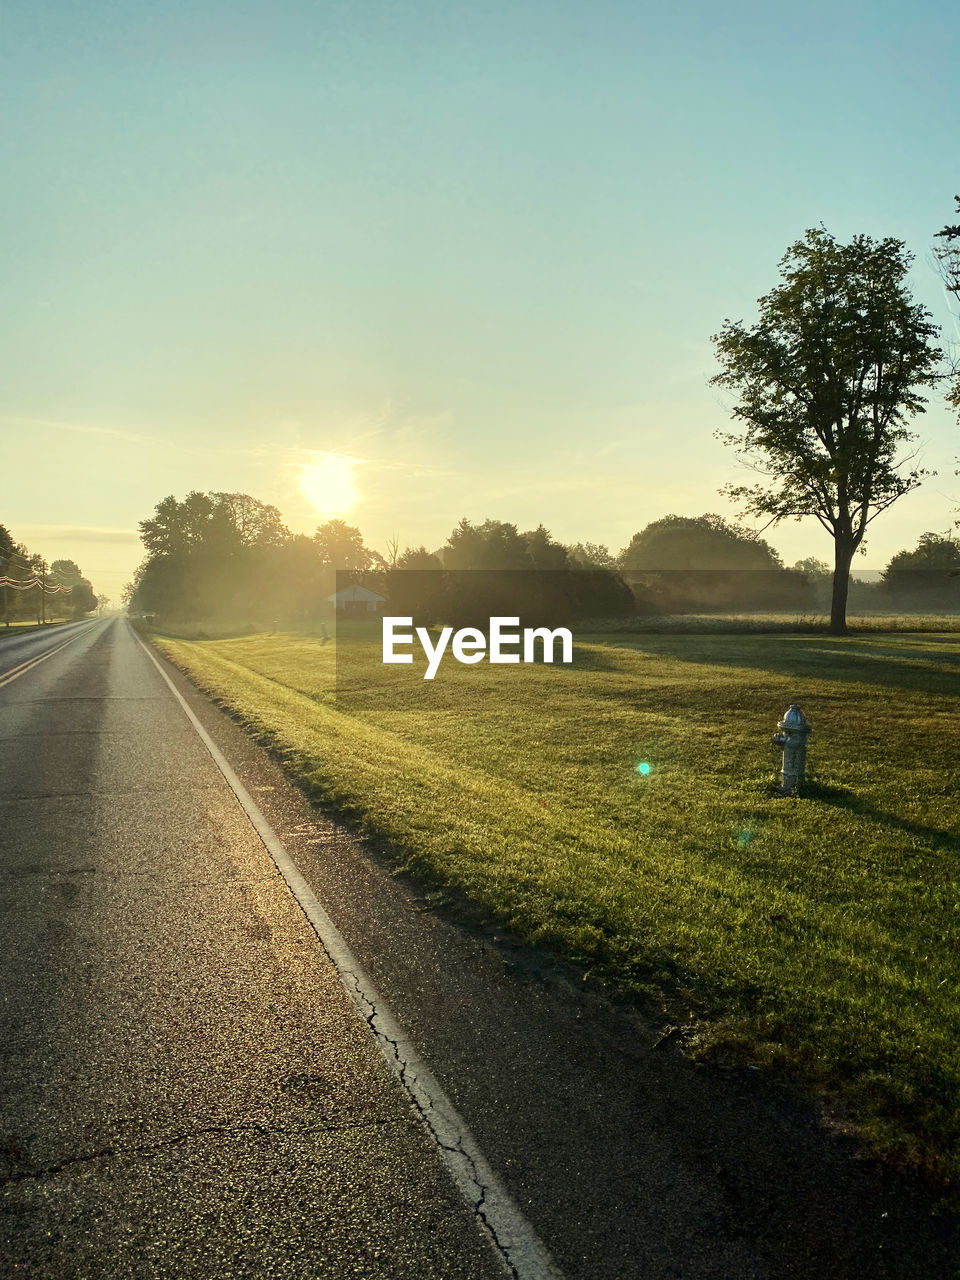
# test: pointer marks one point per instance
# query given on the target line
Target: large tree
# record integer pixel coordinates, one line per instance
(826, 382)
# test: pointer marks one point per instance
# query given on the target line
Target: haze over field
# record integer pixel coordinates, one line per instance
(406, 263)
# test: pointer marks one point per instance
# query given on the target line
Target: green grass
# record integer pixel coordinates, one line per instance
(775, 623)
(821, 931)
(15, 628)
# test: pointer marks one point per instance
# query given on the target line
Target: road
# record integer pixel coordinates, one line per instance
(189, 1091)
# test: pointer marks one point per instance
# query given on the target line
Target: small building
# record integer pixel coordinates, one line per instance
(357, 602)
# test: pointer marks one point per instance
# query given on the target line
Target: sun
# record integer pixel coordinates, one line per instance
(328, 483)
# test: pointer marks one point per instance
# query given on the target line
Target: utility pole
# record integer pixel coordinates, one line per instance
(43, 592)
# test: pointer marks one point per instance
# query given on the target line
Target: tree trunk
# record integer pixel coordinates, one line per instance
(843, 558)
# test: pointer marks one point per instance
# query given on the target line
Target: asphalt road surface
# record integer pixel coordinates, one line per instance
(187, 1090)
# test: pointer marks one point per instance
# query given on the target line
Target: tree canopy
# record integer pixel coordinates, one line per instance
(826, 382)
(927, 576)
(340, 546)
(494, 544)
(697, 542)
(213, 522)
(591, 555)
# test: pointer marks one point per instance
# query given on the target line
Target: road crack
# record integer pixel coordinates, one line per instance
(426, 1108)
(34, 1173)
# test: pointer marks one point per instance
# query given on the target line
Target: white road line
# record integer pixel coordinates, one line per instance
(7, 677)
(522, 1252)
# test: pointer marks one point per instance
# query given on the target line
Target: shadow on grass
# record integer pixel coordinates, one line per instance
(845, 660)
(841, 798)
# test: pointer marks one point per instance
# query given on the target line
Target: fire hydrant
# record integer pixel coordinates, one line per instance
(792, 737)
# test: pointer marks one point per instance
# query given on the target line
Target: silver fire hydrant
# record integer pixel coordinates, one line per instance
(792, 734)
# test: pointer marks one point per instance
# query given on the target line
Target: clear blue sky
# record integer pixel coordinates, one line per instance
(478, 249)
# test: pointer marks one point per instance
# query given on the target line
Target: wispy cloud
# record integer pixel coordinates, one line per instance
(76, 426)
(387, 439)
(75, 533)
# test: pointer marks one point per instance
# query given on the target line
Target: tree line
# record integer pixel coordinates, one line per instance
(30, 588)
(228, 559)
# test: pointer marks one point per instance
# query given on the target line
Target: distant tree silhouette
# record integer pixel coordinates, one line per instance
(81, 598)
(590, 555)
(491, 545)
(929, 575)
(813, 567)
(418, 558)
(544, 553)
(697, 542)
(493, 569)
(256, 523)
(340, 546)
(201, 521)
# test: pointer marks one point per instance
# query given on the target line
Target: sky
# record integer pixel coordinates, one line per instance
(470, 255)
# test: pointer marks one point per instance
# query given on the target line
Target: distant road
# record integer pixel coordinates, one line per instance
(19, 646)
(185, 1088)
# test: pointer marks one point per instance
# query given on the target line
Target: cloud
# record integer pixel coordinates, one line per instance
(112, 432)
(75, 533)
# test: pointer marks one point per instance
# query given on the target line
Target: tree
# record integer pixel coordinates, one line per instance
(81, 598)
(417, 558)
(7, 548)
(590, 555)
(340, 546)
(180, 527)
(948, 254)
(930, 574)
(813, 567)
(697, 542)
(544, 553)
(19, 566)
(256, 523)
(826, 382)
(948, 260)
(682, 564)
(215, 522)
(415, 584)
(491, 545)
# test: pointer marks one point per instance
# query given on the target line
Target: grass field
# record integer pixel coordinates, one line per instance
(16, 628)
(821, 931)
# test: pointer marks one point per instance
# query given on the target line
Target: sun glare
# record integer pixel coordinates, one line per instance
(328, 483)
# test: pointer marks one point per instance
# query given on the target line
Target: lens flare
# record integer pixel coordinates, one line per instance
(643, 768)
